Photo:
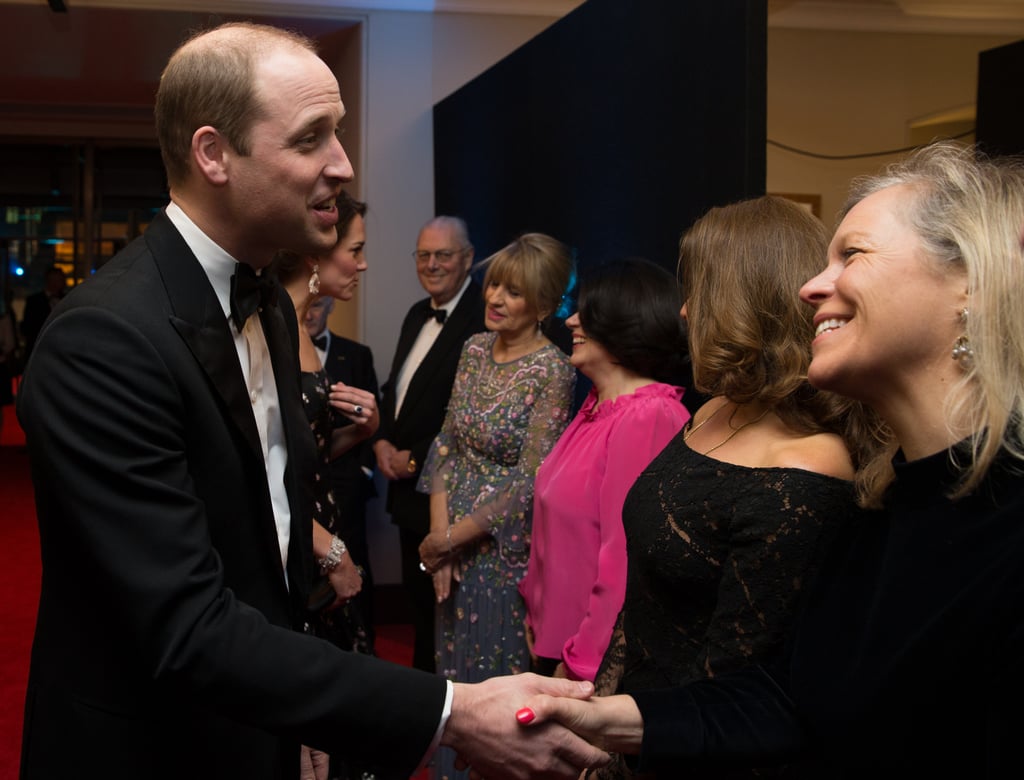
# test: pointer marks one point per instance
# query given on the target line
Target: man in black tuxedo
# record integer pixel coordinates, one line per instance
(39, 305)
(350, 362)
(172, 464)
(415, 398)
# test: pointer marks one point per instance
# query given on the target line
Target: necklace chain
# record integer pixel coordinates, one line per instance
(732, 431)
(689, 431)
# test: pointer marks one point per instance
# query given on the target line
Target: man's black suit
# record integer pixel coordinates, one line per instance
(168, 644)
(350, 362)
(414, 429)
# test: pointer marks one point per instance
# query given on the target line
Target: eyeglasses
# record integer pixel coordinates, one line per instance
(442, 255)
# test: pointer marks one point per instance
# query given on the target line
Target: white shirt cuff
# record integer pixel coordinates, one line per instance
(445, 714)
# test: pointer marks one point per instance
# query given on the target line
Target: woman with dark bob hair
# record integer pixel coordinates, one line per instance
(627, 338)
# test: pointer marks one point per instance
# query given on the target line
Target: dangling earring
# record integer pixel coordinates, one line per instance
(962, 351)
(314, 280)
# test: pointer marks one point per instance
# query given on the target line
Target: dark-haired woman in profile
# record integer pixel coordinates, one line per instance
(307, 279)
(628, 340)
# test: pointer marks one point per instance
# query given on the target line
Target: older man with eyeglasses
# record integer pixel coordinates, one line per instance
(415, 397)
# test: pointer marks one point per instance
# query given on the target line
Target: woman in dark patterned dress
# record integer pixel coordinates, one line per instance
(725, 527)
(306, 280)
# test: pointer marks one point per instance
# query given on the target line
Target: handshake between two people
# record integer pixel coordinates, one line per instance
(529, 726)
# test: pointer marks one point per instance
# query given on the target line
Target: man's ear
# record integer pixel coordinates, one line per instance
(209, 153)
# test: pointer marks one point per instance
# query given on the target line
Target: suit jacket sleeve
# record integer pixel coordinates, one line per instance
(742, 718)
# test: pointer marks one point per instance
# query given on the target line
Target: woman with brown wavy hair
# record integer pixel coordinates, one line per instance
(729, 522)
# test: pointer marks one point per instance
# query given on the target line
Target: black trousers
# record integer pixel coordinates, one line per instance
(545, 666)
(419, 588)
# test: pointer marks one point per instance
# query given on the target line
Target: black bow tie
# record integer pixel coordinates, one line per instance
(320, 342)
(250, 292)
(438, 314)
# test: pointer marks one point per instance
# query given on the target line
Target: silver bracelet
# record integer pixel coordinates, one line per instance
(448, 536)
(334, 555)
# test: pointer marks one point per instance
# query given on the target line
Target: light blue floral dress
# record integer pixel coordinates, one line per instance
(502, 421)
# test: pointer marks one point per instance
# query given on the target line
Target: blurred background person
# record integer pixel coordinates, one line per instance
(628, 340)
(350, 363)
(730, 521)
(414, 399)
(10, 351)
(38, 305)
(509, 404)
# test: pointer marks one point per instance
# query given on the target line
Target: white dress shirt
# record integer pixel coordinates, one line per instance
(254, 359)
(322, 353)
(424, 341)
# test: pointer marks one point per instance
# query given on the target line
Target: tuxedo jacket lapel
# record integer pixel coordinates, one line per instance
(201, 322)
(450, 339)
(338, 366)
(410, 330)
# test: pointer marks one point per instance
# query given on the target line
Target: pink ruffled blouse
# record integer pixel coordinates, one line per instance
(576, 578)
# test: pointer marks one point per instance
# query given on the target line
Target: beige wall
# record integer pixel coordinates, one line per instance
(413, 60)
(840, 93)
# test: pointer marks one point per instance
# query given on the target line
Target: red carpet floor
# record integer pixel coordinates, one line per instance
(19, 587)
(19, 593)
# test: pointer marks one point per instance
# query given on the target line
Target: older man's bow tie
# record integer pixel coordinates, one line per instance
(438, 314)
(250, 292)
(320, 342)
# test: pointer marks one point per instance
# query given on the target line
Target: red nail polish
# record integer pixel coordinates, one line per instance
(525, 715)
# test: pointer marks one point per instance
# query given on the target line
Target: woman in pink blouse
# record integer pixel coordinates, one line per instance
(628, 339)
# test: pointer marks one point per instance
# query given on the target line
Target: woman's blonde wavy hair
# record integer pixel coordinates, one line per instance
(968, 210)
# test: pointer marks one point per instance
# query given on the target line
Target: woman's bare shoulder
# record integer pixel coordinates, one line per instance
(822, 453)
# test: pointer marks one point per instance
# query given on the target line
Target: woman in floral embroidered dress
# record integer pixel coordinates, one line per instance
(509, 404)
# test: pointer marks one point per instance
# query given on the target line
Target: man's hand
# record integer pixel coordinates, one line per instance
(392, 462)
(382, 449)
(613, 722)
(313, 764)
(484, 732)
